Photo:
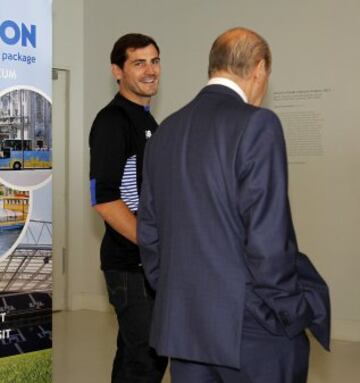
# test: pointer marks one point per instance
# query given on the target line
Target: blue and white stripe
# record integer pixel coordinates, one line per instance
(128, 188)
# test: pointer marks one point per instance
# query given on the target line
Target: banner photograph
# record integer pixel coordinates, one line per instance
(25, 191)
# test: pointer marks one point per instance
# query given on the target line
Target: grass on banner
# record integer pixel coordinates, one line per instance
(34, 367)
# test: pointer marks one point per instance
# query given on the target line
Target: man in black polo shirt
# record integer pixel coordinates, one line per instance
(117, 141)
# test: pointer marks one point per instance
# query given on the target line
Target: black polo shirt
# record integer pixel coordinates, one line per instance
(117, 142)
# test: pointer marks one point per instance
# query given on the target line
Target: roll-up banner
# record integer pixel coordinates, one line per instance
(25, 191)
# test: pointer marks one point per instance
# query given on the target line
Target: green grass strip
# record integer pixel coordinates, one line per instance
(33, 367)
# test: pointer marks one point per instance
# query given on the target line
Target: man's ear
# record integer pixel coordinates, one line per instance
(260, 69)
(116, 71)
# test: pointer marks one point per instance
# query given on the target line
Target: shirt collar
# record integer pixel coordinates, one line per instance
(230, 84)
(130, 104)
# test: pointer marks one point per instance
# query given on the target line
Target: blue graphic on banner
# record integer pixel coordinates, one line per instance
(25, 44)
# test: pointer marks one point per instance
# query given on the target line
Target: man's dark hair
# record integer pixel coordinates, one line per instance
(133, 41)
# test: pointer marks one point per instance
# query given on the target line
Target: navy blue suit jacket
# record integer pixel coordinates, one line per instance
(216, 234)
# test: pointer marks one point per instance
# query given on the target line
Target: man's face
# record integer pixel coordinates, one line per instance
(262, 86)
(139, 78)
(258, 84)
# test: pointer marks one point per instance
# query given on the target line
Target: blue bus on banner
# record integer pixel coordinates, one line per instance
(18, 154)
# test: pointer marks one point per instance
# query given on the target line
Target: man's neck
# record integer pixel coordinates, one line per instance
(245, 84)
(143, 101)
(226, 79)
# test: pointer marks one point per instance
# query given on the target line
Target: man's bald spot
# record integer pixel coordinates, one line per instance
(237, 51)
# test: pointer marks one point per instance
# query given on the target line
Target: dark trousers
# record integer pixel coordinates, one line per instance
(133, 300)
(265, 358)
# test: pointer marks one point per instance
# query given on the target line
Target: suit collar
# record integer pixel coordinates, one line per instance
(221, 89)
(229, 84)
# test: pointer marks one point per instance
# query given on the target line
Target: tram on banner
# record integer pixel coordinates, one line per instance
(14, 208)
(19, 154)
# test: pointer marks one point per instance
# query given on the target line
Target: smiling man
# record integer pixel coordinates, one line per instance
(117, 142)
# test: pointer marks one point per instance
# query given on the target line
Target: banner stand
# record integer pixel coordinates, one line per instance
(25, 191)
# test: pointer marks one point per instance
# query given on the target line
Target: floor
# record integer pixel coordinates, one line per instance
(84, 347)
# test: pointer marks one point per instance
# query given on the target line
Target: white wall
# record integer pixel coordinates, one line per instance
(68, 32)
(314, 46)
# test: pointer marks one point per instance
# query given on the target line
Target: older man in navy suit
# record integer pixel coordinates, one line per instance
(234, 295)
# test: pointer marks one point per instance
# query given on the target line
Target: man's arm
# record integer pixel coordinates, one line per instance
(270, 242)
(119, 217)
(108, 155)
(147, 230)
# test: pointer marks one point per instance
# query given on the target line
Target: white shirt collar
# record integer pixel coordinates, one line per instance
(230, 84)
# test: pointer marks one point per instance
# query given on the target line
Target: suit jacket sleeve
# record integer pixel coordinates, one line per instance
(270, 243)
(147, 230)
